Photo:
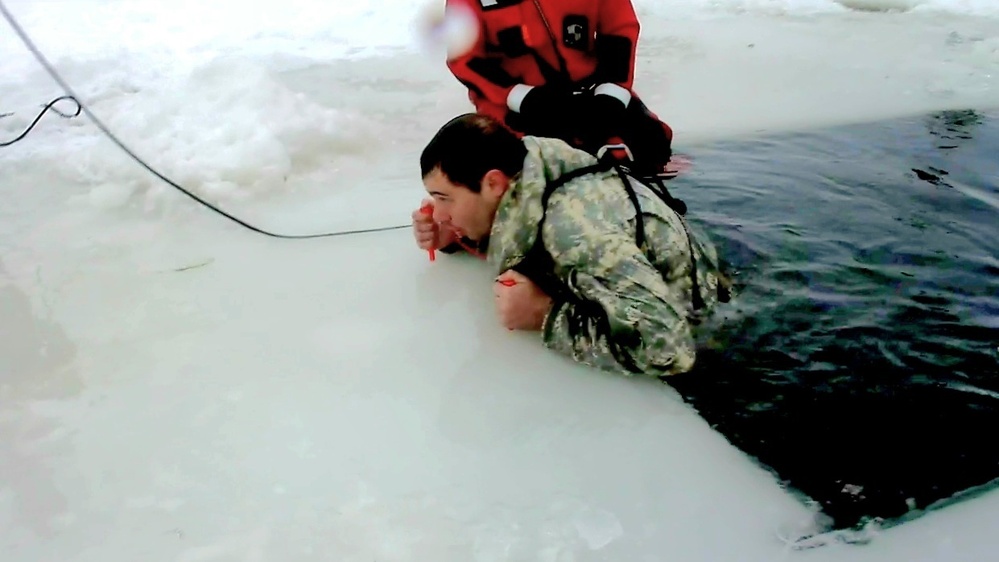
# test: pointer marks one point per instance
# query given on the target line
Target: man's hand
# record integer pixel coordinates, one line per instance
(520, 304)
(428, 234)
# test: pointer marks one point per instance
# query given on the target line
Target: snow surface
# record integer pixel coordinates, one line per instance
(173, 387)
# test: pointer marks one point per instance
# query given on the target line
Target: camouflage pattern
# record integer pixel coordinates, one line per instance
(645, 293)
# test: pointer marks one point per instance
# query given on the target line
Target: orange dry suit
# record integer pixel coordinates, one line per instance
(582, 55)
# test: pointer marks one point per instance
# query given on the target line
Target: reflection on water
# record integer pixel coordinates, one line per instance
(36, 364)
(952, 127)
(861, 363)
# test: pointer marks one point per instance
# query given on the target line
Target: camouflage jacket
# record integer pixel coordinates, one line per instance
(616, 307)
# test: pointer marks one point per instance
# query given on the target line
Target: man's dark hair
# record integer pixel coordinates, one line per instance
(470, 145)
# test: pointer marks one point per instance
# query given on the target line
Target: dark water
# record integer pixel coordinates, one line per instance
(860, 362)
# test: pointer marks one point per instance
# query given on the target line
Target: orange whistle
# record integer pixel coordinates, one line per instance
(429, 210)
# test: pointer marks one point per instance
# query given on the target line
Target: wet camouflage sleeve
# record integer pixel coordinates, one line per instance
(629, 317)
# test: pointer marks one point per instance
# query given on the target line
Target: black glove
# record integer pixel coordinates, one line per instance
(546, 111)
(607, 118)
(543, 100)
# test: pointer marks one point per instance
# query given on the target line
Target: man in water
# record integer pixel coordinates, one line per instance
(596, 261)
(563, 69)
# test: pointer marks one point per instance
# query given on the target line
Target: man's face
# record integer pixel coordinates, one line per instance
(470, 212)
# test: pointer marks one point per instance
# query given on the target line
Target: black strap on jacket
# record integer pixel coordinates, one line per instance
(538, 264)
